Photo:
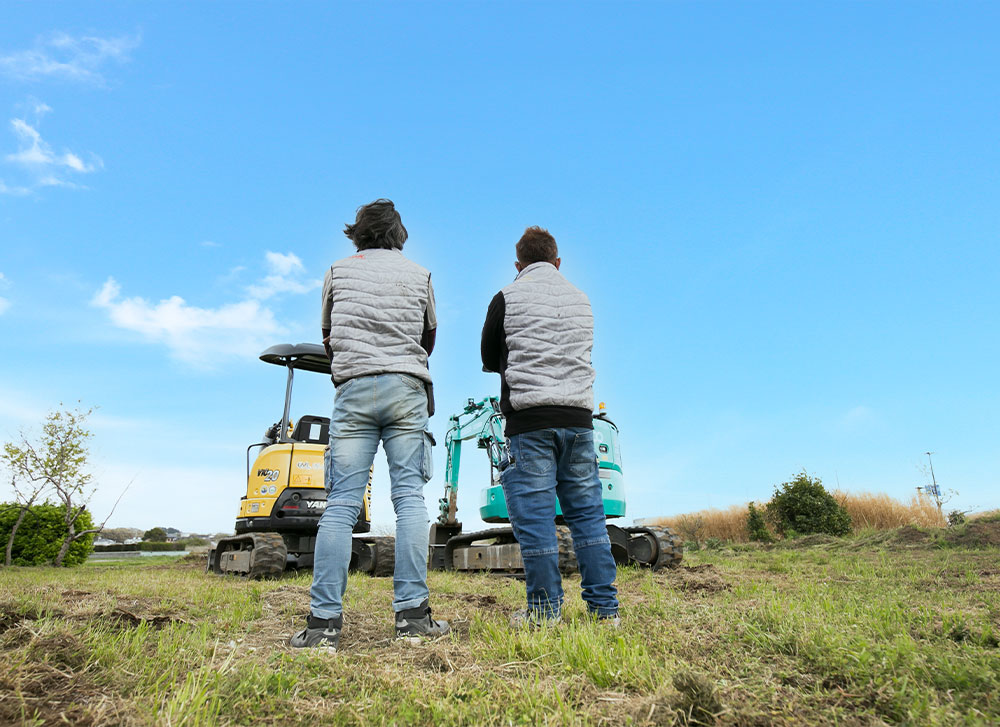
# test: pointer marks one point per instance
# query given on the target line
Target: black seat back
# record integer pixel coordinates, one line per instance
(312, 429)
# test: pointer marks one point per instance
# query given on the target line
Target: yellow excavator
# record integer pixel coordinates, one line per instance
(279, 515)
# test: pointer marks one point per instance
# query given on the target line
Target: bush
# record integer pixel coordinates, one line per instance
(714, 544)
(803, 506)
(41, 534)
(956, 518)
(756, 525)
(116, 548)
(156, 535)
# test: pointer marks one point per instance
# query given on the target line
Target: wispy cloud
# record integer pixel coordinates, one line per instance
(286, 275)
(65, 57)
(201, 336)
(210, 243)
(38, 164)
(198, 336)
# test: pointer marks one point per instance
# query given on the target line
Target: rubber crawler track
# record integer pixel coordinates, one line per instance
(669, 550)
(267, 555)
(384, 555)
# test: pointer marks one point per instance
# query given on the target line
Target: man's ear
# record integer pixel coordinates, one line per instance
(517, 266)
(558, 260)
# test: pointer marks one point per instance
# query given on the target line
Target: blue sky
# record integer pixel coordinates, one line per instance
(786, 216)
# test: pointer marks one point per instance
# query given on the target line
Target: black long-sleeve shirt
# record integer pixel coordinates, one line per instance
(494, 351)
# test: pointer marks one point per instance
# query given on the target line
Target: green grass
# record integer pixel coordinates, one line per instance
(849, 632)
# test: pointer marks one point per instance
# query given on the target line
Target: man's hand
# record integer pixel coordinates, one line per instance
(326, 343)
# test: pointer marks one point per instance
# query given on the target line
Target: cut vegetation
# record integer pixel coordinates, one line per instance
(884, 628)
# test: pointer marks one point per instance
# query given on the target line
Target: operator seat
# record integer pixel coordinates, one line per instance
(312, 429)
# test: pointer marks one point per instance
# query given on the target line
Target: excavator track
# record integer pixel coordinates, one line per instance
(375, 556)
(252, 555)
(654, 547)
(567, 556)
(497, 550)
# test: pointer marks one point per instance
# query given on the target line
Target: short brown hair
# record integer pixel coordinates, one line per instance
(537, 246)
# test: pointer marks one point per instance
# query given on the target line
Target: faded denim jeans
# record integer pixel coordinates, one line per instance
(545, 464)
(391, 408)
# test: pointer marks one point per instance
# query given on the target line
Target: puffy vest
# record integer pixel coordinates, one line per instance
(379, 298)
(550, 332)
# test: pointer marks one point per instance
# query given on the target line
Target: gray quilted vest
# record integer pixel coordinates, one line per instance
(379, 298)
(550, 332)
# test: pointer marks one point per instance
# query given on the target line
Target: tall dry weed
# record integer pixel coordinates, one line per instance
(868, 511)
(878, 511)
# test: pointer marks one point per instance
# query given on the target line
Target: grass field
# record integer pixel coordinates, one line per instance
(887, 629)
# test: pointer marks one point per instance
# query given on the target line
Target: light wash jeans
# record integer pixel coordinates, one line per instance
(391, 408)
(545, 464)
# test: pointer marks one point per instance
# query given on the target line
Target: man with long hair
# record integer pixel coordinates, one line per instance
(379, 325)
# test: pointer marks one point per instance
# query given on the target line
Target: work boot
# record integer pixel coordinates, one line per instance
(612, 621)
(416, 624)
(528, 619)
(319, 633)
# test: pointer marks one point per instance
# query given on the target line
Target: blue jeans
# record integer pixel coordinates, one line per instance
(391, 408)
(545, 464)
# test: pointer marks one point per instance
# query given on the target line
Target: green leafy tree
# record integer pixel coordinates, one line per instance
(42, 533)
(756, 525)
(803, 506)
(57, 462)
(155, 535)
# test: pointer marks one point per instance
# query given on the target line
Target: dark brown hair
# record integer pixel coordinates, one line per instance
(377, 225)
(536, 246)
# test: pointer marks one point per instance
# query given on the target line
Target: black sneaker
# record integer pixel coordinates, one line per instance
(416, 624)
(319, 633)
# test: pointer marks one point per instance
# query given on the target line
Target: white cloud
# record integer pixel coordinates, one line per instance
(210, 243)
(286, 271)
(14, 191)
(62, 56)
(39, 164)
(198, 336)
(284, 264)
(201, 336)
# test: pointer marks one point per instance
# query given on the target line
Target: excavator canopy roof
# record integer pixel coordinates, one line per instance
(302, 356)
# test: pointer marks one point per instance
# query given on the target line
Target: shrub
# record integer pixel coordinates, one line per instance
(41, 534)
(714, 544)
(756, 525)
(803, 506)
(956, 518)
(155, 535)
(157, 547)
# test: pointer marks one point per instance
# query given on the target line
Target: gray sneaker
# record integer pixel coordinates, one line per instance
(528, 619)
(416, 624)
(319, 633)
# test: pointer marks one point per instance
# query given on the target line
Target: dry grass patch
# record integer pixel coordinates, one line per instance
(868, 511)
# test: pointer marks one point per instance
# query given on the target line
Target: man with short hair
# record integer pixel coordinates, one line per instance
(379, 324)
(538, 336)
